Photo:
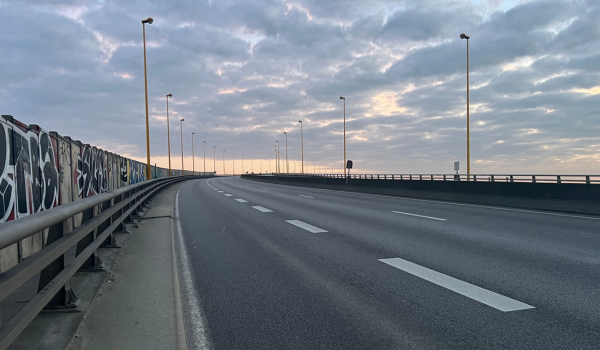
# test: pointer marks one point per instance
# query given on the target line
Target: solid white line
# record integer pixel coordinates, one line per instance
(263, 209)
(228, 195)
(241, 200)
(451, 203)
(421, 216)
(469, 290)
(304, 225)
(301, 195)
(199, 330)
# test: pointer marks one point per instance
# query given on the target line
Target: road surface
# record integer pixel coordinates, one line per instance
(284, 267)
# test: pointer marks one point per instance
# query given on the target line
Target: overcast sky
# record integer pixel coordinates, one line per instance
(243, 72)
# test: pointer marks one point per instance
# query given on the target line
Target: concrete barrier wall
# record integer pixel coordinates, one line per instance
(40, 170)
(571, 198)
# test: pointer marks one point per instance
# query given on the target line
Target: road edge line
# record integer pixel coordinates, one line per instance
(198, 337)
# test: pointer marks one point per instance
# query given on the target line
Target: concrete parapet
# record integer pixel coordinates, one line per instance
(562, 197)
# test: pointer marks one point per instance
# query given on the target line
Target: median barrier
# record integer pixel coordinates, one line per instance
(578, 198)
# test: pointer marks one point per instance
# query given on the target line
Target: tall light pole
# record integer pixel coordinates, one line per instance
(465, 36)
(343, 98)
(242, 164)
(224, 163)
(193, 165)
(251, 167)
(148, 20)
(302, 144)
(182, 170)
(204, 152)
(287, 164)
(278, 158)
(215, 161)
(169, 133)
(234, 164)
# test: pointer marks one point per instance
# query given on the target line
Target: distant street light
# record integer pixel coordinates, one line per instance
(287, 165)
(234, 164)
(193, 165)
(343, 98)
(278, 163)
(224, 173)
(215, 161)
(465, 36)
(204, 152)
(169, 133)
(276, 159)
(148, 20)
(182, 170)
(302, 144)
(242, 164)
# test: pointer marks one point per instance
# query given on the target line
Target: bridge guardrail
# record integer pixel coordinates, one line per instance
(103, 214)
(585, 179)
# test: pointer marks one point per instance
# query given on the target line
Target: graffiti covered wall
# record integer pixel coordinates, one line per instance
(40, 170)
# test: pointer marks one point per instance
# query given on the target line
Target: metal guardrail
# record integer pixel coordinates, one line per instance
(102, 215)
(584, 179)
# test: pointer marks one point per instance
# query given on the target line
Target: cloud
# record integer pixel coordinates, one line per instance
(243, 72)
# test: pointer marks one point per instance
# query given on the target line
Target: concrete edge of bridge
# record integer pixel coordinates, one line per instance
(118, 303)
(583, 203)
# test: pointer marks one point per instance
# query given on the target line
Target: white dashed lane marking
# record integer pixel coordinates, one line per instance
(304, 225)
(487, 297)
(228, 195)
(301, 195)
(241, 200)
(421, 216)
(263, 209)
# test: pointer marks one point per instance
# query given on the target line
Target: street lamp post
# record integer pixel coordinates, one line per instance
(148, 20)
(169, 133)
(343, 98)
(275, 159)
(302, 144)
(224, 173)
(242, 164)
(234, 164)
(251, 167)
(278, 158)
(181, 129)
(465, 36)
(215, 161)
(287, 163)
(193, 165)
(204, 153)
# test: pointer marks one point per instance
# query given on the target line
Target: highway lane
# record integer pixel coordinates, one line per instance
(268, 277)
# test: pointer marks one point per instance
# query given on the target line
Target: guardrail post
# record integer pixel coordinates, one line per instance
(110, 241)
(385, 177)
(532, 178)
(401, 177)
(93, 262)
(558, 179)
(511, 179)
(65, 298)
(377, 176)
(410, 177)
(492, 178)
(420, 177)
(474, 177)
(587, 180)
(444, 177)
(431, 177)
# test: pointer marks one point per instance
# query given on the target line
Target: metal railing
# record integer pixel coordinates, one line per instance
(582, 179)
(101, 216)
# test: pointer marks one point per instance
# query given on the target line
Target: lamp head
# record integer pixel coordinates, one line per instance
(181, 119)
(299, 121)
(342, 98)
(148, 20)
(170, 95)
(464, 36)
(203, 141)
(193, 133)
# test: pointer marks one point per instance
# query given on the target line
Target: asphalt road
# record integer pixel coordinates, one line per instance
(284, 267)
